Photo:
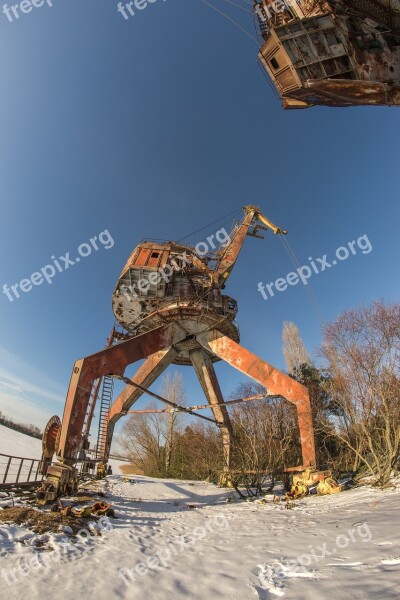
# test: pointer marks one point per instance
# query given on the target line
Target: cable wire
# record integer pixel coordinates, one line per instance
(209, 225)
(239, 6)
(308, 289)
(231, 20)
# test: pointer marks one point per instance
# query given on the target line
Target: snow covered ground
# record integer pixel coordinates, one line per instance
(176, 540)
(17, 444)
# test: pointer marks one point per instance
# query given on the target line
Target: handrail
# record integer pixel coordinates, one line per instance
(19, 470)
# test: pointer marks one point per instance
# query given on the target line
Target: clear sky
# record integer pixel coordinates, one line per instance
(152, 127)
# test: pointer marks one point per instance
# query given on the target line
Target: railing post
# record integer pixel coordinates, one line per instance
(7, 469)
(19, 470)
(30, 470)
(39, 467)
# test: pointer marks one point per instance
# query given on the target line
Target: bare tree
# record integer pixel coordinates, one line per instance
(293, 347)
(362, 348)
(172, 389)
(150, 440)
(200, 453)
(265, 435)
(142, 439)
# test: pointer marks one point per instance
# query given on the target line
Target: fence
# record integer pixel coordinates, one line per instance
(18, 470)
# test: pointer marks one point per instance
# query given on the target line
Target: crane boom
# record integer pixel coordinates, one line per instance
(252, 222)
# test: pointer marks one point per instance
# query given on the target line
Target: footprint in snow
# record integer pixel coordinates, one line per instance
(4, 534)
(395, 560)
(354, 565)
(268, 582)
(271, 579)
(383, 543)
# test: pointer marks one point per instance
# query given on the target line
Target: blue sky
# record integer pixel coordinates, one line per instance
(153, 127)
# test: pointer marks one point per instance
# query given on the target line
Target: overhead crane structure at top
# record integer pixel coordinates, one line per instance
(338, 53)
(184, 319)
(331, 52)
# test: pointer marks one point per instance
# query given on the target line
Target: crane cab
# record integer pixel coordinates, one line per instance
(170, 282)
(318, 53)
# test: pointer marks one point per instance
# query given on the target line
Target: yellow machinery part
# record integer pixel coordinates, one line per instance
(328, 486)
(302, 482)
(101, 470)
(298, 490)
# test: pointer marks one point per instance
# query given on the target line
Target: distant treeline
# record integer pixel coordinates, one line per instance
(31, 430)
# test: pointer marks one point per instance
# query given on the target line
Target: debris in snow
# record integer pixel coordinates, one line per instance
(41, 521)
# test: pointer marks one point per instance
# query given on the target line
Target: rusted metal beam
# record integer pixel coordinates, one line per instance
(113, 360)
(150, 411)
(231, 252)
(147, 374)
(236, 401)
(152, 368)
(205, 372)
(252, 219)
(178, 407)
(208, 380)
(204, 406)
(276, 383)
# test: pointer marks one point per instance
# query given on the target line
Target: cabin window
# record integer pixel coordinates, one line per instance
(274, 63)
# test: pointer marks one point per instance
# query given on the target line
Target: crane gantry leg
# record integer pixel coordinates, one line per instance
(205, 372)
(276, 383)
(62, 477)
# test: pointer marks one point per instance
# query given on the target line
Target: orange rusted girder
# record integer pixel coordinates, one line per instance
(113, 360)
(232, 251)
(236, 401)
(178, 407)
(147, 373)
(145, 376)
(205, 372)
(208, 380)
(96, 389)
(276, 383)
(253, 218)
(203, 406)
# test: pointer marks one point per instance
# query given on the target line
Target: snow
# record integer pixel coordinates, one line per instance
(179, 539)
(18, 444)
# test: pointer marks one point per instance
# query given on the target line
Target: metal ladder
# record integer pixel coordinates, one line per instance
(107, 388)
(91, 406)
(105, 405)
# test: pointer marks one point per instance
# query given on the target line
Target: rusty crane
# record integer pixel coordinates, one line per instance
(170, 303)
(331, 52)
